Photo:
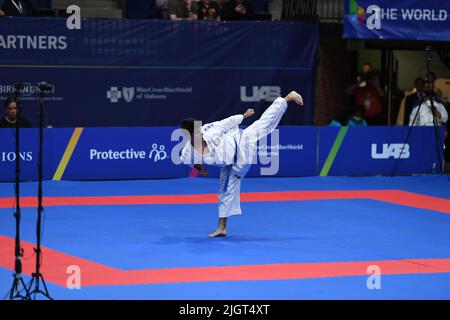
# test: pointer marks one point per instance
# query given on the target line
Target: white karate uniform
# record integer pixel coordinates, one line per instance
(234, 150)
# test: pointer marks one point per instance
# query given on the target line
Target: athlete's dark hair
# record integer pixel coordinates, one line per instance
(188, 124)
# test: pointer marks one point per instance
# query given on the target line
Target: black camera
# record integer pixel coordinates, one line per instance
(44, 86)
(18, 86)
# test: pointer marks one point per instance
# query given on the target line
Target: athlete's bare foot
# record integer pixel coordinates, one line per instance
(218, 233)
(294, 97)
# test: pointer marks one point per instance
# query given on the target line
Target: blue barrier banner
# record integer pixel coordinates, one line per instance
(397, 20)
(132, 73)
(375, 151)
(138, 153)
(152, 152)
(144, 153)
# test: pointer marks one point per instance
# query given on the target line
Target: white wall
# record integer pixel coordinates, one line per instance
(412, 64)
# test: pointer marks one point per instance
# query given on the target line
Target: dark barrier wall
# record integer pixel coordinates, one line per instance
(140, 73)
(43, 4)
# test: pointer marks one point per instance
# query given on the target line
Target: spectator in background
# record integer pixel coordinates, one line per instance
(220, 4)
(372, 78)
(413, 100)
(237, 10)
(363, 93)
(17, 8)
(181, 10)
(10, 118)
(358, 117)
(206, 10)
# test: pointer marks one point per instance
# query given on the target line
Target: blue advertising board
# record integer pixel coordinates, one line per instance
(153, 152)
(157, 96)
(124, 153)
(376, 150)
(118, 72)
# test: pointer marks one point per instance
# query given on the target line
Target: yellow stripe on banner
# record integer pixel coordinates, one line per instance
(68, 153)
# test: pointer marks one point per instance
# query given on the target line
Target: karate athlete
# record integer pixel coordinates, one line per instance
(223, 144)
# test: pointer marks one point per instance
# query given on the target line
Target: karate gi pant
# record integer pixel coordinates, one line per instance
(247, 142)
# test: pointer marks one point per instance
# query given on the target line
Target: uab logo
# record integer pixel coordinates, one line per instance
(393, 150)
(264, 93)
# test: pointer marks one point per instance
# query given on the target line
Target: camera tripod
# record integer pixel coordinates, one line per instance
(428, 100)
(16, 292)
(37, 278)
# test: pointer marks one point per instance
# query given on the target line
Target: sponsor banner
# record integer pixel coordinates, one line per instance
(138, 153)
(136, 72)
(90, 97)
(153, 152)
(124, 153)
(141, 153)
(375, 151)
(397, 20)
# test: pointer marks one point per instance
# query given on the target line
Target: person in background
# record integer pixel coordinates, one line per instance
(17, 8)
(413, 100)
(358, 117)
(371, 77)
(220, 4)
(437, 94)
(363, 93)
(10, 118)
(206, 10)
(181, 10)
(237, 10)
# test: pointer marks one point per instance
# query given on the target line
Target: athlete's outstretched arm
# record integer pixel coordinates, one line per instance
(233, 121)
